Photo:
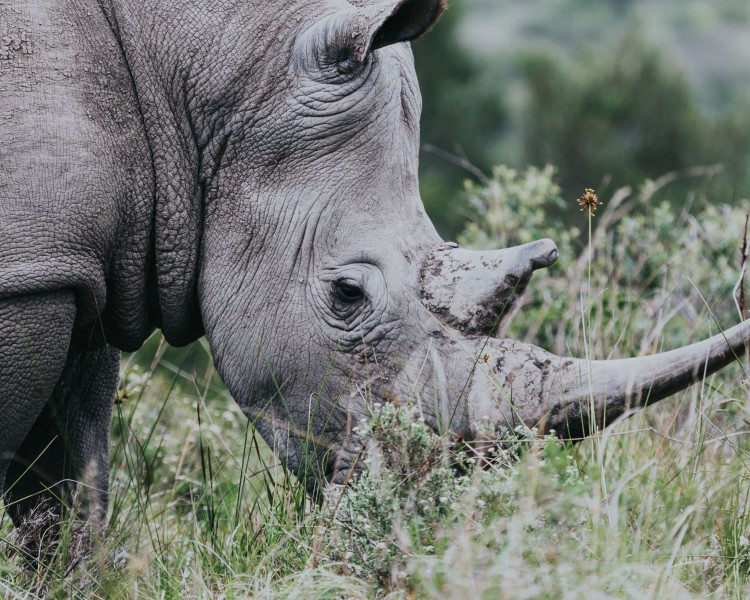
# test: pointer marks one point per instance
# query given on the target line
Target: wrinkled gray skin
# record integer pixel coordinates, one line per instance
(248, 170)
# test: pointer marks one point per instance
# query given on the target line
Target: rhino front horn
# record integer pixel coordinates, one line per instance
(522, 383)
(474, 291)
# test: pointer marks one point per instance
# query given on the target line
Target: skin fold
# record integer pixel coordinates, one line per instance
(248, 170)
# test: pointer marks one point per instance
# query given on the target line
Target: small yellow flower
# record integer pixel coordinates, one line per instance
(589, 202)
(486, 358)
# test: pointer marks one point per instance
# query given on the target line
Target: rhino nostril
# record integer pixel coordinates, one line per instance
(545, 261)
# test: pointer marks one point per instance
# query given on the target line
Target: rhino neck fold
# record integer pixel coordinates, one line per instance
(199, 72)
(176, 198)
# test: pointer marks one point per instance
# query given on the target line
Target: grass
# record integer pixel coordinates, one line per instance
(655, 506)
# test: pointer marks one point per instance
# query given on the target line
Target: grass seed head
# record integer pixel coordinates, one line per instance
(589, 202)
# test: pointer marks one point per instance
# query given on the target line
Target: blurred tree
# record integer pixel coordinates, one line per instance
(625, 115)
(462, 115)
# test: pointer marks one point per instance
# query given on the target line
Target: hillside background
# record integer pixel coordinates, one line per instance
(609, 91)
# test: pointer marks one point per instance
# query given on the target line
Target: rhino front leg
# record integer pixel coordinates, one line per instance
(35, 333)
(67, 448)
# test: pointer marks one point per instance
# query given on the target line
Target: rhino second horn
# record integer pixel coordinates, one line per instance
(538, 388)
(473, 291)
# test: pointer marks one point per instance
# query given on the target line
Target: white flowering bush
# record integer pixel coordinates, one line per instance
(416, 485)
(409, 484)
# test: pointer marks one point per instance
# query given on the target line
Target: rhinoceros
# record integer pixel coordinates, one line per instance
(248, 171)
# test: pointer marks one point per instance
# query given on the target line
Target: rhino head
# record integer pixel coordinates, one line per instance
(323, 287)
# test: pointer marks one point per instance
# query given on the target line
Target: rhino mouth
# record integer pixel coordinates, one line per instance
(341, 466)
(339, 472)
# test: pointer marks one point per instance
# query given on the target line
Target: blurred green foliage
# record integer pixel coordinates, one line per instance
(590, 87)
(462, 114)
(652, 269)
(624, 116)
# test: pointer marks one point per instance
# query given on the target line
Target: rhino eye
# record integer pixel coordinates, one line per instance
(348, 66)
(348, 291)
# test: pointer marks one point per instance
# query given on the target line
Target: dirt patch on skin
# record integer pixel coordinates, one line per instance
(449, 290)
(15, 34)
(14, 44)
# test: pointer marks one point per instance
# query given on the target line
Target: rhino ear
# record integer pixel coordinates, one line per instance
(341, 41)
(405, 20)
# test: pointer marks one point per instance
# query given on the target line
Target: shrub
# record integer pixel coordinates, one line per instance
(624, 114)
(658, 269)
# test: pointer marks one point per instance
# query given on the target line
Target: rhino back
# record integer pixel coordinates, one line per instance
(76, 182)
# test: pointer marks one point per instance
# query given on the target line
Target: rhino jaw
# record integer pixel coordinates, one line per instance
(474, 291)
